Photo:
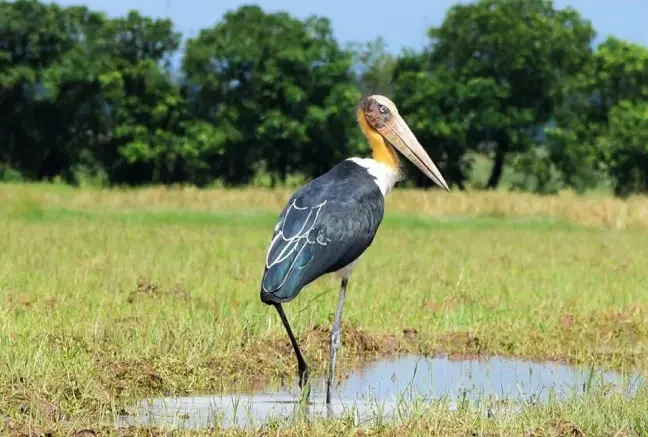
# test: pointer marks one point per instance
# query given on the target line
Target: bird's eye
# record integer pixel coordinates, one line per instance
(383, 109)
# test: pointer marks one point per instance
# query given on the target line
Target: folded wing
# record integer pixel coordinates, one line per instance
(313, 238)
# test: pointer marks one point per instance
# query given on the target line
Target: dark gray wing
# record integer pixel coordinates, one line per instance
(324, 227)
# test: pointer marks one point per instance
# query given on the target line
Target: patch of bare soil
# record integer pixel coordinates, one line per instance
(353, 340)
(134, 373)
(560, 428)
(460, 345)
(147, 289)
(608, 332)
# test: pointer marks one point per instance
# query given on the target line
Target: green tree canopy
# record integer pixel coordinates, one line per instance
(603, 98)
(282, 89)
(33, 39)
(521, 51)
(88, 97)
(626, 146)
(374, 67)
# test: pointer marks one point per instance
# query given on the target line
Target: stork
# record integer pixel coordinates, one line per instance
(329, 222)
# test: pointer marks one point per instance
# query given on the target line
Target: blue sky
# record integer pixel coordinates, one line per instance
(401, 22)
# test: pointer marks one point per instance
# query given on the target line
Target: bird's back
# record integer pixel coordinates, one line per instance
(327, 224)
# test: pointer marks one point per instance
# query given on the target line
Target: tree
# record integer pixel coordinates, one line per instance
(33, 38)
(524, 50)
(143, 110)
(86, 93)
(281, 88)
(374, 67)
(626, 146)
(601, 99)
(137, 124)
(439, 109)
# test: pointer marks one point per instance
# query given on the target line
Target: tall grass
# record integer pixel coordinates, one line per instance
(598, 211)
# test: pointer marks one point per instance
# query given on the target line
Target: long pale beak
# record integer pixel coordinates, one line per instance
(401, 137)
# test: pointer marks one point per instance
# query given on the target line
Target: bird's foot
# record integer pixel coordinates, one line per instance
(304, 384)
(303, 376)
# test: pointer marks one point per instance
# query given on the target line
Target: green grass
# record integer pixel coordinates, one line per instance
(101, 307)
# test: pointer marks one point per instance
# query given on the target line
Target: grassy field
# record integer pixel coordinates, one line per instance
(108, 296)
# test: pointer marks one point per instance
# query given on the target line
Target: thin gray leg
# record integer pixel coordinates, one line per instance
(335, 339)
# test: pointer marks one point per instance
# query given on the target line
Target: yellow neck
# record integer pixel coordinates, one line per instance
(381, 151)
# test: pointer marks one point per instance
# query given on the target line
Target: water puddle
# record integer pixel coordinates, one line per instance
(380, 391)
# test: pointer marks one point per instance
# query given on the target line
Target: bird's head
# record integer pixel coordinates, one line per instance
(386, 131)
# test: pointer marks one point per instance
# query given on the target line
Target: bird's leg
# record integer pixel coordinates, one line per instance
(335, 339)
(301, 363)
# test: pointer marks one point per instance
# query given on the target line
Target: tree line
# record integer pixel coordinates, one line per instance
(84, 97)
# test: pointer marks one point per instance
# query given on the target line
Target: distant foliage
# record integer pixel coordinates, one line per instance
(268, 98)
(280, 88)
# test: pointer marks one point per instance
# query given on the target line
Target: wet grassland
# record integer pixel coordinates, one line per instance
(108, 297)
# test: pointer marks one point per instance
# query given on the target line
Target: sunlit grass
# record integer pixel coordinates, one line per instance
(107, 296)
(599, 211)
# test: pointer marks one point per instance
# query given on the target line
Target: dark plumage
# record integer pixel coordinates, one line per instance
(325, 226)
